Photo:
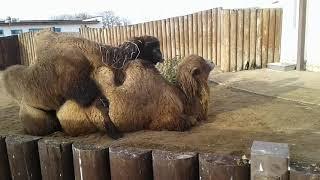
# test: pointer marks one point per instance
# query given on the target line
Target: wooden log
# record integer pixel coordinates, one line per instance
(121, 29)
(301, 175)
(132, 31)
(113, 37)
(222, 167)
(56, 159)
(173, 39)
(151, 31)
(265, 36)
(239, 40)
(225, 41)
(272, 24)
(246, 39)
(175, 166)
(278, 31)
(130, 163)
(253, 33)
(233, 40)
(185, 36)
(190, 33)
(177, 37)
(118, 31)
(90, 162)
(4, 162)
(200, 34)
(168, 36)
(140, 29)
(164, 39)
(205, 34)
(105, 36)
(219, 25)
(269, 160)
(181, 37)
(195, 32)
(259, 39)
(23, 157)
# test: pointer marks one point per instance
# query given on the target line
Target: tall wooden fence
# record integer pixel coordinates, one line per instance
(9, 51)
(234, 39)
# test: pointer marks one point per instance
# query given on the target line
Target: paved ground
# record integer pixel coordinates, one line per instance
(298, 86)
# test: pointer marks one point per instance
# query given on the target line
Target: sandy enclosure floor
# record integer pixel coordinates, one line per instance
(236, 119)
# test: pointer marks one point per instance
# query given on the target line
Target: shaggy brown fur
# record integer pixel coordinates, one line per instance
(146, 100)
(63, 71)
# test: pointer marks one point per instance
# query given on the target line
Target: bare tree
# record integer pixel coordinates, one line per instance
(109, 19)
(79, 16)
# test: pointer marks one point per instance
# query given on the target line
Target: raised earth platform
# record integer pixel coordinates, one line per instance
(260, 105)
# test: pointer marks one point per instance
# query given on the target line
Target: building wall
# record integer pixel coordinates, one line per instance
(313, 35)
(64, 28)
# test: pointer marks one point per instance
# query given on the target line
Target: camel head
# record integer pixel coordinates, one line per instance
(192, 79)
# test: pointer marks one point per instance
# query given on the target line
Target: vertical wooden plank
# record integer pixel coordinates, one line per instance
(272, 24)
(301, 35)
(246, 39)
(136, 30)
(177, 36)
(159, 35)
(190, 33)
(181, 36)
(130, 163)
(140, 29)
(131, 31)
(253, 33)
(119, 35)
(113, 39)
(168, 36)
(259, 39)
(186, 35)
(205, 34)
(265, 36)
(146, 24)
(99, 35)
(278, 31)
(225, 43)
(154, 28)
(109, 33)
(215, 35)
(56, 159)
(90, 162)
(239, 39)
(178, 166)
(233, 40)
(23, 157)
(195, 32)
(210, 45)
(219, 33)
(4, 162)
(164, 39)
(151, 29)
(173, 38)
(30, 48)
(200, 34)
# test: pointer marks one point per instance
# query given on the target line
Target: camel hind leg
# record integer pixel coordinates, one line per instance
(38, 122)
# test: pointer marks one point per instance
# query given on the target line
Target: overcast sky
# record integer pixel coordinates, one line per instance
(134, 10)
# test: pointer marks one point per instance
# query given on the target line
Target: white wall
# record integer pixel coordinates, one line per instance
(64, 28)
(313, 36)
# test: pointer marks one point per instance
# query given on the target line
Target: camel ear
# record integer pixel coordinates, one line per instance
(195, 71)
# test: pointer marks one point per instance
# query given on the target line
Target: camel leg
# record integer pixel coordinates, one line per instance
(38, 122)
(180, 123)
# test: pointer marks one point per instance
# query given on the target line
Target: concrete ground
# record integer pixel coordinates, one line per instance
(300, 86)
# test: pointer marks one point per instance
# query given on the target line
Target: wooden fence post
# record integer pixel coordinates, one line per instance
(246, 39)
(4, 162)
(23, 157)
(269, 161)
(253, 34)
(240, 40)
(259, 39)
(56, 159)
(220, 167)
(175, 166)
(90, 162)
(130, 163)
(225, 41)
(233, 40)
